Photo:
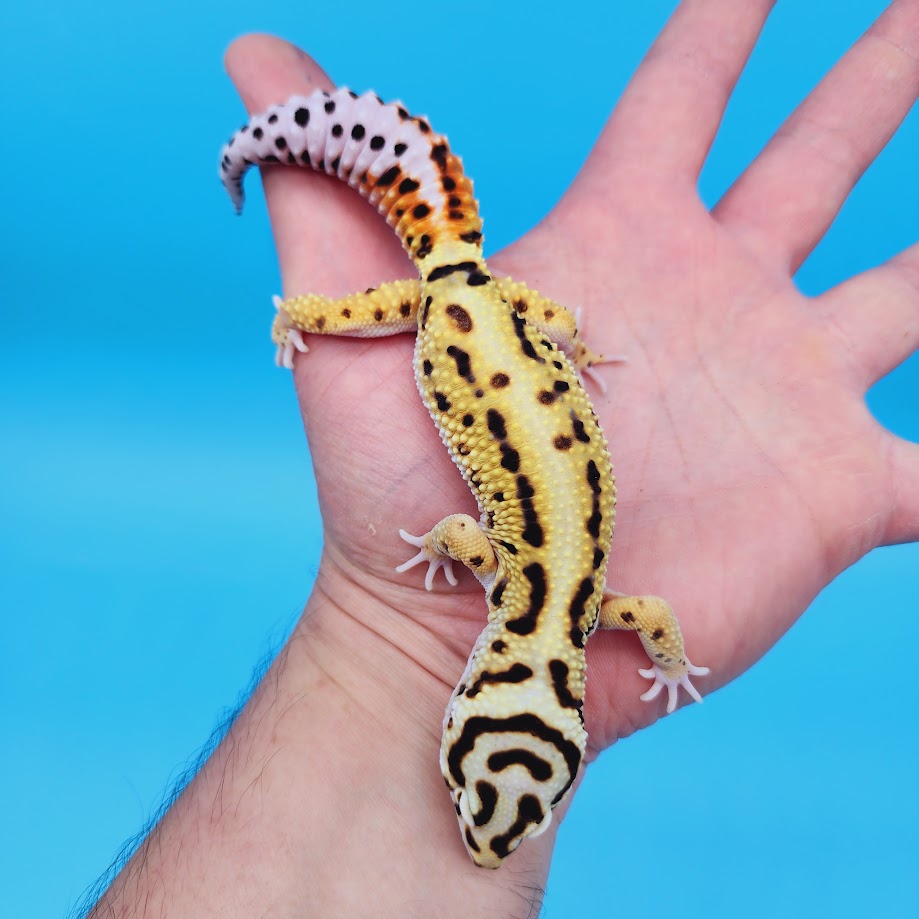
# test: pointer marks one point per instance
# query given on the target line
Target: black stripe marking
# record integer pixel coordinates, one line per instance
(579, 431)
(559, 671)
(532, 531)
(488, 795)
(529, 810)
(470, 839)
(520, 325)
(524, 723)
(498, 592)
(526, 624)
(463, 362)
(596, 518)
(518, 673)
(504, 759)
(444, 271)
(578, 609)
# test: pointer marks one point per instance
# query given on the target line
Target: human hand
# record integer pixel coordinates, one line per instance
(750, 472)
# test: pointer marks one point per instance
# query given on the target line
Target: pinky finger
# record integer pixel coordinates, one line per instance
(877, 315)
(903, 525)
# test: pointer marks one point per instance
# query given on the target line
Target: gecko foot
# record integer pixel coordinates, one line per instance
(661, 680)
(430, 555)
(287, 338)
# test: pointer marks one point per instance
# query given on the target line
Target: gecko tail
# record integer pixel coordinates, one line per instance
(392, 158)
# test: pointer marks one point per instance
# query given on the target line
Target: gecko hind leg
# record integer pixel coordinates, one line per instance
(659, 631)
(458, 537)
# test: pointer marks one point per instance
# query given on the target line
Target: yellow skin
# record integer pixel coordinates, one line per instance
(498, 367)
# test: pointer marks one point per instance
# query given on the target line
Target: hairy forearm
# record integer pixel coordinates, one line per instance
(325, 797)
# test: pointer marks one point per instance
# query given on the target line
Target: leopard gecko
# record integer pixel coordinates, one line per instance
(499, 368)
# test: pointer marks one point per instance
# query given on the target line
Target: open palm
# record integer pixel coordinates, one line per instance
(750, 472)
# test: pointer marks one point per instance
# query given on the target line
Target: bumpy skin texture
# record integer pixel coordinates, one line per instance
(508, 402)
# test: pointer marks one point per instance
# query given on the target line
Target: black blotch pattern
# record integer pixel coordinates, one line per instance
(427, 368)
(496, 423)
(377, 142)
(526, 624)
(425, 246)
(424, 312)
(302, 117)
(498, 646)
(595, 518)
(559, 672)
(468, 421)
(330, 107)
(358, 132)
(439, 155)
(532, 530)
(579, 432)
(405, 309)
(476, 278)
(526, 345)
(657, 634)
(498, 593)
(461, 319)
(443, 403)
(510, 458)
(577, 609)
(463, 362)
(399, 149)
(408, 185)
(599, 557)
(390, 176)
(473, 236)
(562, 442)
(421, 211)
(500, 380)
(337, 130)
(470, 840)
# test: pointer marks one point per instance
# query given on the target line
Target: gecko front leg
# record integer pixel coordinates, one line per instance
(460, 538)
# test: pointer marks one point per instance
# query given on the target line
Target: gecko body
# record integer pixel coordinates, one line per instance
(498, 367)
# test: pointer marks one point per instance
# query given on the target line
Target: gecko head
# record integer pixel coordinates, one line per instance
(505, 775)
(515, 817)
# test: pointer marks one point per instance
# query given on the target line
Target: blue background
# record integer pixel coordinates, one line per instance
(147, 564)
